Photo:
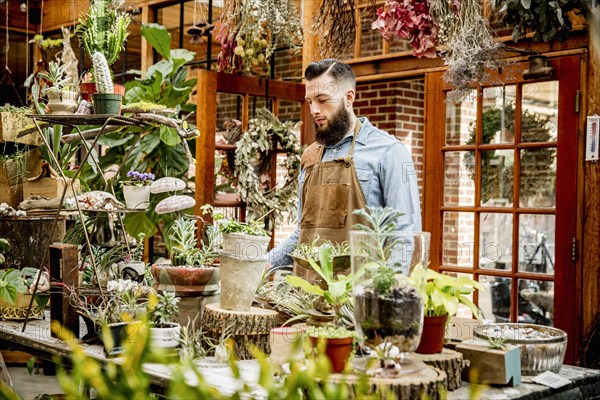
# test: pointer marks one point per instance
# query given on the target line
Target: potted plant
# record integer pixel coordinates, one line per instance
(105, 100)
(136, 189)
(248, 239)
(303, 251)
(388, 309)
(338, 338)
(442, 295)
(132, 266)
(103, 28)
(191, 269)
(61, 100)
(164, 333)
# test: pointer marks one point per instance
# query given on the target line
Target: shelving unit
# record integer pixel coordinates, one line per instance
(209, 84)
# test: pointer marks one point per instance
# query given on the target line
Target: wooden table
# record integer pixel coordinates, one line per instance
(36, 340)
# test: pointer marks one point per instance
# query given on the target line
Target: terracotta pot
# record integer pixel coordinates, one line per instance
(87, 89)
(337, 350)
(432, 338)
(186, 281)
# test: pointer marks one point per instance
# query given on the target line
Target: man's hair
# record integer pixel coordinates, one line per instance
(339, 70)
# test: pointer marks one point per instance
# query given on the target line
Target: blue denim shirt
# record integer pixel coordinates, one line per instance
(387, 176)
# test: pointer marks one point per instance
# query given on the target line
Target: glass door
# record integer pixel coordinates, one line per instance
(505, 210)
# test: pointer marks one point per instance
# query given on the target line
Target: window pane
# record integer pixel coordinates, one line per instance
(460, 121)
(538, 178)
(229, 106)
(539, 115)
(495, 241)
(494, 299)
(458, 239)
(497, 178)
(498, 118)
(536, 243)
(536, 302)
(459, 189)
(371, 42)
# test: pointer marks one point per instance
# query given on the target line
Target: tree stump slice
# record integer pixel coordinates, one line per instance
(428, 383)
(449, 361)
(246, 327)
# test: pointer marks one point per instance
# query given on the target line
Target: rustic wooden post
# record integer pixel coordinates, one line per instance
(64, 261)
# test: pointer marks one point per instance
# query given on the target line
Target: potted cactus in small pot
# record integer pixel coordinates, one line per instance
(105, 100)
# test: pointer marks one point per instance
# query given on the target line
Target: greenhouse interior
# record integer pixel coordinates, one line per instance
(208, 199)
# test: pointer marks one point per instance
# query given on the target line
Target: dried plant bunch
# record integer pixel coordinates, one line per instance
(335, 26)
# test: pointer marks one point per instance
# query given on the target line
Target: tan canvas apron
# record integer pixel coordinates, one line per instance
(330, 194)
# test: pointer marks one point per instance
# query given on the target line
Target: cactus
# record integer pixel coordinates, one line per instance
(104, 82)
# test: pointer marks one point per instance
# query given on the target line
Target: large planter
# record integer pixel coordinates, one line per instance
(432, 338)
(337, 350)
(391, 313)
(165, 336)
(107, 103)
(240, 277)
(244, 245)
(18, 311)
(186, 281)
(136, 197)
(62, 102)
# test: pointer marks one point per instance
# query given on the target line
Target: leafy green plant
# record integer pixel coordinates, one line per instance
(443, 293)
(154, 148)
(182, 244)
(11, 283)
(252, 228)
(338, 289)
(163, 308)
(4, 248)
(338, 332)
(55, 75)
(306, 250)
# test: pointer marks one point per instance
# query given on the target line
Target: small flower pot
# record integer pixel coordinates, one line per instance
(244, 245)
(165, 336)
(136, 197)
(337, 350)
(107, 103)
(62, 102)
(132, 270)
(87, 89)
(432, 338)
(286, 345)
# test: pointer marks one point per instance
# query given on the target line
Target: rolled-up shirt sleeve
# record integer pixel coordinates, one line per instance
(398, 180)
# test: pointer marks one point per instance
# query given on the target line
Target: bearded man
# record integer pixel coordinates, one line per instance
(351, 165)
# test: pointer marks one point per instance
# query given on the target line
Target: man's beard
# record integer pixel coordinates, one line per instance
(336, 128)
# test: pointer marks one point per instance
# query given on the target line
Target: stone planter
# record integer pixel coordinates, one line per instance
(244, 245)
(62, 102)
(240, 277)
(186, 281)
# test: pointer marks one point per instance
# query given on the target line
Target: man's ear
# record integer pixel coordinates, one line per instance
(350, 95)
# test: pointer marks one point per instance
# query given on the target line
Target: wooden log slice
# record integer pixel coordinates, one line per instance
(449, 361)
(427, 383)
(245, 328)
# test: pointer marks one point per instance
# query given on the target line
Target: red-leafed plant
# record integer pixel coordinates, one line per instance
(409, 20)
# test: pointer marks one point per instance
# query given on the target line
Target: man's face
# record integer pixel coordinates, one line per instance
(330, 105)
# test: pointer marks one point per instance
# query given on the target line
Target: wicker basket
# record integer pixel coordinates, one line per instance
(18, 311)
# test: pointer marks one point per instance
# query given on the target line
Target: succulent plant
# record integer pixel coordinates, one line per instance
(104, 83)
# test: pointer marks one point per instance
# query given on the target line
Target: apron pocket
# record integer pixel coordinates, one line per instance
(327, 207)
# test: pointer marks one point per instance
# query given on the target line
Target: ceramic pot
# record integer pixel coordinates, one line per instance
(240, 277)
(113, 345)
(107, 103)
(244, 245)
(132, 270)
(286, 345)
(186, 281)
(136, 197)
(165, 336)
(62, 102)
(337, 350)
(432, 338)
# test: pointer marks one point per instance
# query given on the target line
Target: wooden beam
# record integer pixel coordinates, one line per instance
(64, 268)
(147, 51)
(309, 48)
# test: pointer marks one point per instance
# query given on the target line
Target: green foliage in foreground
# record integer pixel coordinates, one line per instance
(126, 379)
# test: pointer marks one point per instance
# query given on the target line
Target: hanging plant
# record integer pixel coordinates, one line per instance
(548, 20)
(251, 31)
(254, 150)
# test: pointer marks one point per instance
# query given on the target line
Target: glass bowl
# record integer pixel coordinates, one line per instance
(542, 347)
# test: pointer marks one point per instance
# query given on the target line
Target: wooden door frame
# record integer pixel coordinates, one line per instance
(567, 313)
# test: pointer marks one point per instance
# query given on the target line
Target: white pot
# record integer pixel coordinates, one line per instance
(132, 270)
(244, 245)
(137, 197)
(166, 337)
(62, 102)
(240, 277)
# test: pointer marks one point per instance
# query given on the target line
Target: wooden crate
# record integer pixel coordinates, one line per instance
(10, 126)
(48, 187)
(12, 174)
(491, 366)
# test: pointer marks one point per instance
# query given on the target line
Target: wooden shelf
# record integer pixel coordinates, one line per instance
(226, 147)
(229, 204)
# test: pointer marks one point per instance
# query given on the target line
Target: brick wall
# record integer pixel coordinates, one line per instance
(397, 107)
